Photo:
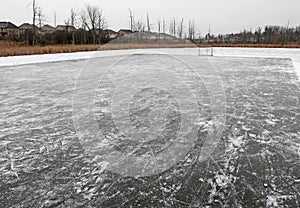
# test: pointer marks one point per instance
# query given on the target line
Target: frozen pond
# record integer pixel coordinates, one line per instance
(245, 101)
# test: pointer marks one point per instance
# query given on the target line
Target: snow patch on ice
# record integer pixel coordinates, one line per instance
(272, 201)
(293, 54)
(297, 67)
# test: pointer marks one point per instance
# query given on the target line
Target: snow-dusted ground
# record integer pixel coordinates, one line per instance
(255, 164)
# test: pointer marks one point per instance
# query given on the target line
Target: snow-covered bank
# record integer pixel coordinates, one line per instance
(33, 59)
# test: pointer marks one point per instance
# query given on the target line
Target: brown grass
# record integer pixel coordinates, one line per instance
(16, 49)
(118, 46)
(250, 45)
(8, 48)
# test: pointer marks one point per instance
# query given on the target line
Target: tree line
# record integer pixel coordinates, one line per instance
(267, 35)
(176, 27)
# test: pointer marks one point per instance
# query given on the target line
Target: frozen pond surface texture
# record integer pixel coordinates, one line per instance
(139, 133)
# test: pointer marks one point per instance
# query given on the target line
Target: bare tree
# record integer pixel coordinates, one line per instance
(173, 27)
(191, 32)
(34, 14)
(148, 23)
(41, 16)
(287, 31)
(258, 33)
(101, 24)
(82, 18)
(90, 17)
(54, 22)
(159, 28)
(83, 22)
(180, 28)
(140, 26)
(73, 19)
(131, 20)
(37, 15)
(164, 26)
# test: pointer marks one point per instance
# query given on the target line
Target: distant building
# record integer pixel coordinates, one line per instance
(8, 29)
(108, 33)
(25, 27)
(65, 28)
(47, 29)
(111, 34)
(124, 32)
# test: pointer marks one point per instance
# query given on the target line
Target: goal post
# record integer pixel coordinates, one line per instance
(206, 51)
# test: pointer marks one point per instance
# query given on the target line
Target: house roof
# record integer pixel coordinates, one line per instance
(106, 31)
(47, 28)
(125, 31)
(65, 26)
(26, 26)
(5, 25)
(110, 31)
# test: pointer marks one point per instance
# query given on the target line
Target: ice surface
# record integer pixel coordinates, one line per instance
(256, 162)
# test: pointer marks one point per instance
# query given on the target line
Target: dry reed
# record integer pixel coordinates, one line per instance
(8, 48)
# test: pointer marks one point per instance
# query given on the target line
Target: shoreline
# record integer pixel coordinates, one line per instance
(10, 49)
(248, 45)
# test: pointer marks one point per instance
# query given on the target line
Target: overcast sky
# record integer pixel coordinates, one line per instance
(224, 16)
